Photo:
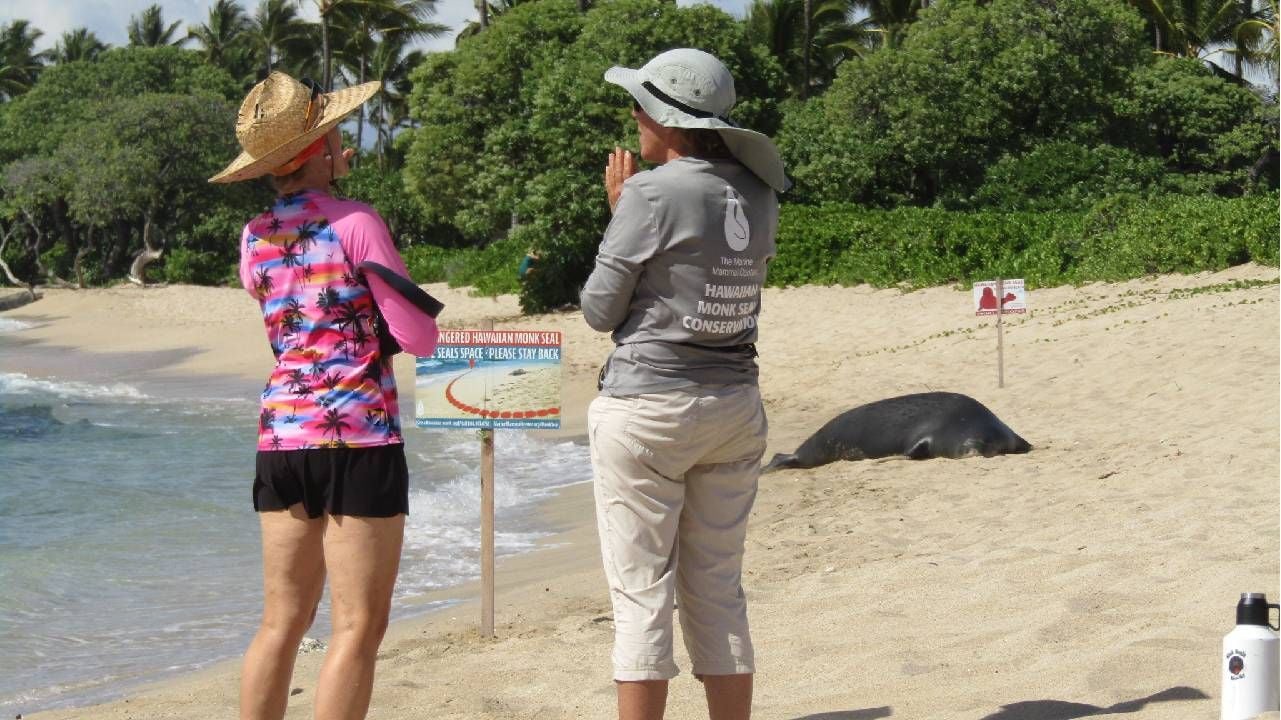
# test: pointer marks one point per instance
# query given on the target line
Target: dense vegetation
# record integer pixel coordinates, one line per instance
(1060, 141)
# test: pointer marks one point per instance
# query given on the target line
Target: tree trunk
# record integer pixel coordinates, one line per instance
(1267, 160)
(483, 7)
(380, 130)
(926, 189)
(805, 53)
(360, 119)
(31, 290)
(144, 257)
(49, 276)
(324, 48)
(582, 6)
(78, 264)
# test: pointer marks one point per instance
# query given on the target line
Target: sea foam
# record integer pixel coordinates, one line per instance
(10, 325)
(20, 384)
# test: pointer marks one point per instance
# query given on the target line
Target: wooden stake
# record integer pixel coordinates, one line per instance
(1000, 333)
(487, 525)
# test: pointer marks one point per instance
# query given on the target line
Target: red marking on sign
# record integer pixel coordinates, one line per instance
(503, 414)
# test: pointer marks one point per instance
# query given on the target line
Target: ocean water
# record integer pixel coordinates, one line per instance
(129, 547)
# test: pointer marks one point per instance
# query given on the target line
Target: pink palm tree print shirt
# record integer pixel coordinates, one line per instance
(331, 387)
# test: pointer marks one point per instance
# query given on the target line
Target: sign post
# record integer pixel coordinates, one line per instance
(998, 297)
(487, 525)
(487, 533)
(1000, 333)
(487, 379)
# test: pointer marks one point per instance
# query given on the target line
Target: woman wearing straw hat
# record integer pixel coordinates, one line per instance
(331, 485)
(678, 430)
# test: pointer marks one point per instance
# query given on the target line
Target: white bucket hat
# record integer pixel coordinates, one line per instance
(687, 88)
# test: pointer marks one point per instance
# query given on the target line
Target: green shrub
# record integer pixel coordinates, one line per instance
(207, 253)
(384, 189)
(1122, 237)
(490, 270)
(1061, 175)
(57, 260)
(918, 247)
(428, 263)
(181, 265)
(1125, 237)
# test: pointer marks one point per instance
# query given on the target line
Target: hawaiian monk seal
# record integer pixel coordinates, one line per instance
(924, 425)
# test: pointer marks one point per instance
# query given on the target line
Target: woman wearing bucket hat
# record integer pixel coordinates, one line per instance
(678, 430)
(331, 485)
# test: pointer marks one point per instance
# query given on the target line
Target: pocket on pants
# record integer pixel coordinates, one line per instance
(661, 430)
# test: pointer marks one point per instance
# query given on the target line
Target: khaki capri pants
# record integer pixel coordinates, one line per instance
(675, 479)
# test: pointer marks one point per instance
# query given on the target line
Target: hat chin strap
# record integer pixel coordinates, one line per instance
(687, 109)
(333, 178)
(306, 154)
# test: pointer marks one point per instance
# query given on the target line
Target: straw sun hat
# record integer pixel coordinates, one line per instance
(687, 88)
(280, 117)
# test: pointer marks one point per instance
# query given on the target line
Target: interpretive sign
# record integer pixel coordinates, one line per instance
(1008, 296)
(506, 379)
(1000, 297)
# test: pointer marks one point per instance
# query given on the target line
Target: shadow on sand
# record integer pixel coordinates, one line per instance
(1060, 710)
(864, 714)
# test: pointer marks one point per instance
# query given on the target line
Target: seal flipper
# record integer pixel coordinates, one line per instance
(781, 461)
(921, 450)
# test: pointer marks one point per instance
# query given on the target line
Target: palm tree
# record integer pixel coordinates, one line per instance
(327, 9)
(279, 34)
(351, 317)
(891, 18)
(487, 11)
(390, 66)
(366, 24)
(1197, 28)
(20, 64)
(149, 30)
(78, 44)
(224, 37)
(328, 300)
(779, 26)
(809, 52)
(335, 422)
(1255, 39)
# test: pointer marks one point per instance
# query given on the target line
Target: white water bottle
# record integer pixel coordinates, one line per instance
(1251, 661)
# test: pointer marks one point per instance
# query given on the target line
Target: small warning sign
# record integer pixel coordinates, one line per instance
(1005, 296)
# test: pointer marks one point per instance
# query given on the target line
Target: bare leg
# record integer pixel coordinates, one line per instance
(293, 577)
(729, 697)
(363, 555)
(641, 699)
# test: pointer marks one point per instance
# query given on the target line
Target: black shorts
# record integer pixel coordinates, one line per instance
(362, 482)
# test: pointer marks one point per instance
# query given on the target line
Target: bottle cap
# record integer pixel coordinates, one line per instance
(1252, 609)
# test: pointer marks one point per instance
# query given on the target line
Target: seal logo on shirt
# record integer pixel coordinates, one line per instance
(737, 231)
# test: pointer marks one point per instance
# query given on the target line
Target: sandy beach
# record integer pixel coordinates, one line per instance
(1094, 576)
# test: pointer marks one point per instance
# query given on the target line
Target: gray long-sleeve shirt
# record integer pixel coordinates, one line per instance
(678, 276)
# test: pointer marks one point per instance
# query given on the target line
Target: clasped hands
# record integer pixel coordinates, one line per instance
(622, 165)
